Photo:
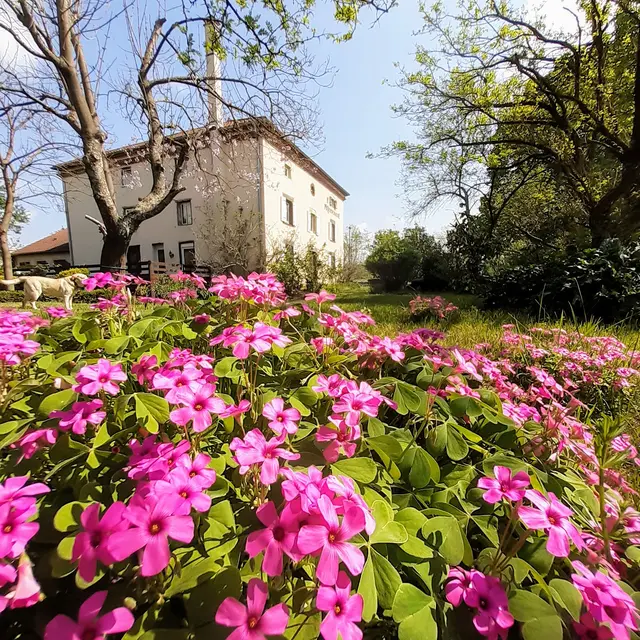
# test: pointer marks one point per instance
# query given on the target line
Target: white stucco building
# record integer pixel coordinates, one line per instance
(248, 187)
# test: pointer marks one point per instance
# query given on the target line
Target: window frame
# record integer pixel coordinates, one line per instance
(179, 204)
(332, 230)
(312, 189)
(156, 247)
(125, 176)
(288, 171)
(312, 222)
(290, 220)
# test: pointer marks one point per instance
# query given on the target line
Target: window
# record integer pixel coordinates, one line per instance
(42, 262)
(332, 231)
(332, 260)
(333, 203)
(312, 188)
(313, 222)
(184, 213)
(24, 264)
(287, 171)
(187, 255)
(125, 176)
(158, 252)
(287, 211)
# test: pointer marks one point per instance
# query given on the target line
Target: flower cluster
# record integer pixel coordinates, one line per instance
(486, 595)
(608, 605)
(244, 340)
(18, 587)
(437, 308)
(14, 329)
(262, 289)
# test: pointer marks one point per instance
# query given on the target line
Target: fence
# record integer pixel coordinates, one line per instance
(147, 269)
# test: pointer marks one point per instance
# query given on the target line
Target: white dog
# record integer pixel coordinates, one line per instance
(35, 286)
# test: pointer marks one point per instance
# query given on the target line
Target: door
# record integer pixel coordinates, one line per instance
(158, 252)
(187, 256)
(133, 258)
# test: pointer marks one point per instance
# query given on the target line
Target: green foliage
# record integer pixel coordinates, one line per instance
(69, 272)
(601, 283)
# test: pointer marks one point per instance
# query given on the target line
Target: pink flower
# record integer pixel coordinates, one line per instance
(79, 416)
(332, 385)
(347, 497)
(153, 522)
(235, 411)
(255, 449)
(279, 537)
(177, 382)
(90, 544)
(458, 587)
(26, 591)
(331, 540)
(188, 491)
(253, 622)
(589, 629)
(145, 369)
(33, 441)
(281, 419)
(198, 407)
(198, 469)
(344, 611)
(357, 401)
(90, 625)
(99, 377)
(606, 601)
(287, 312)
(321, 344)
(202, 318)
(492, 619)
(15, 531)
(504, 485)
(58, 312)
(551, 516)
(321, 297)
(342, 439)
(16, 491)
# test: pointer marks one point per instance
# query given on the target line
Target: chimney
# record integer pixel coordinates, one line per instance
(214, 73)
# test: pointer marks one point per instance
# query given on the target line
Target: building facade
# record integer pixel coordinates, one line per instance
(46, 252)
(247, 194)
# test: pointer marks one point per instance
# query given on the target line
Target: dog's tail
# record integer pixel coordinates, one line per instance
(10, 282)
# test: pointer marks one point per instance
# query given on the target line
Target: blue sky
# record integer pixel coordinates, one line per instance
(356, 117)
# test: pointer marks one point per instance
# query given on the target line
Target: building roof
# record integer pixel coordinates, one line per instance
(232, 128)
(57, 242)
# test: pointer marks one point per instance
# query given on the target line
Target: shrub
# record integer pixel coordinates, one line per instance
(69, 272)
(601, 283)
(436, 308)
(392, 260)
(195, 459)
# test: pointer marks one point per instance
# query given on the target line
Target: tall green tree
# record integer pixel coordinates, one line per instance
(502, 101)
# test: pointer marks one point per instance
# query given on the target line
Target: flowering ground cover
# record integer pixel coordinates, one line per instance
(230, 464)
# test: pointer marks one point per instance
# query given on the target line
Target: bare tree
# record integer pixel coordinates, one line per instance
(230, 240)
(168, 83)
(24, 153)
(357, 242)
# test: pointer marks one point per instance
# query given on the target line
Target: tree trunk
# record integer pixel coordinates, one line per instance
(599, 226)
(114, 250)
(6, 258)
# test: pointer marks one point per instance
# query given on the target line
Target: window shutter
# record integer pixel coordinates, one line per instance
(293, 214)
(283, 212)
(309, 221)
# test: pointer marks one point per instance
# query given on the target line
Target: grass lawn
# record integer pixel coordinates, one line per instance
(472, 324)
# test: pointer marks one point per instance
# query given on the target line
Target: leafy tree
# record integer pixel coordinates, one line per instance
(502, 101)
